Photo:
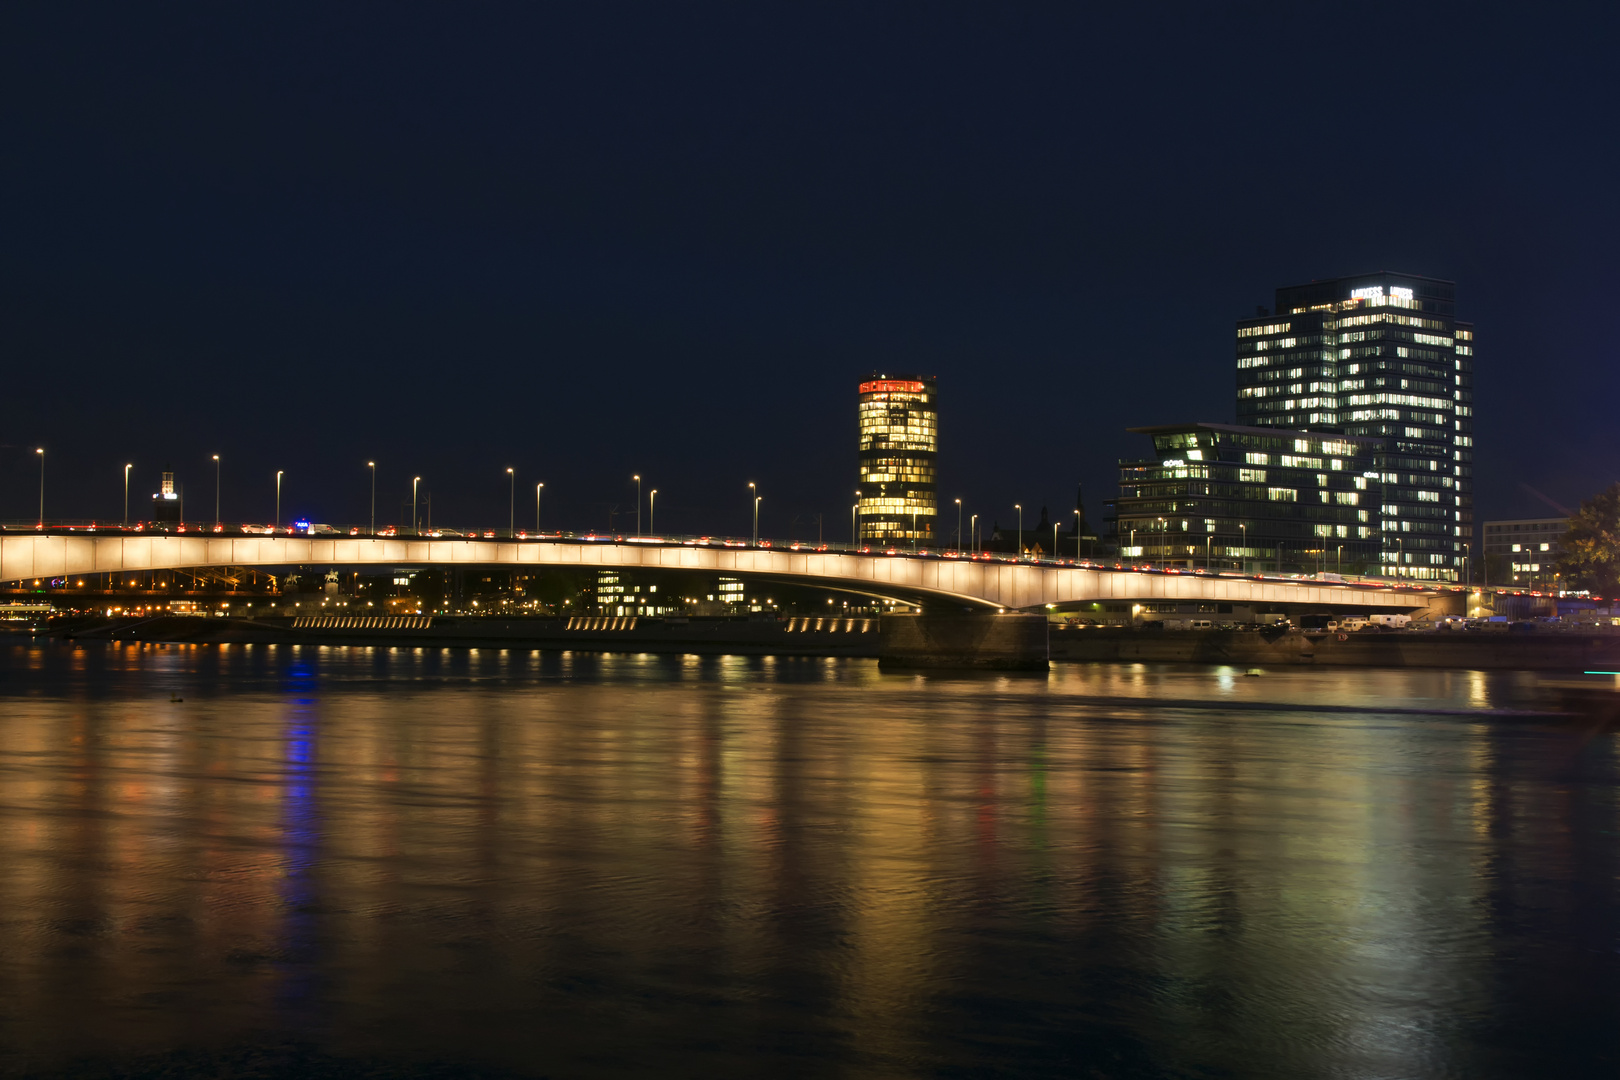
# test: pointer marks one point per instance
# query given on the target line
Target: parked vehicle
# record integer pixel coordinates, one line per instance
(1390, 622)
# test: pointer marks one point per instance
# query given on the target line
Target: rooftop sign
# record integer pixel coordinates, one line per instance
(879, 386)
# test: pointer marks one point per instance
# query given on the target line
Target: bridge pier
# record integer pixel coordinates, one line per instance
(1004, 642)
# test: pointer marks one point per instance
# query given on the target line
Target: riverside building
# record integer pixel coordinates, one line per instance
(1378, 356)
(1524, 551)
(1231, 496)
(899, 452)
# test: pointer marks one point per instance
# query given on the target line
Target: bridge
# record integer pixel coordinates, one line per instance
(975, 581)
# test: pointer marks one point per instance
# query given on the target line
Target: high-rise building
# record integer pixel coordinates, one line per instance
(166, 504)
(1377, 356)
(899, 448)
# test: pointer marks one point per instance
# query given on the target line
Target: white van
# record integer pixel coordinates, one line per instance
(1390, 622)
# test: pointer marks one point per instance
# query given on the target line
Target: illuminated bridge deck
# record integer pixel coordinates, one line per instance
(985, 582)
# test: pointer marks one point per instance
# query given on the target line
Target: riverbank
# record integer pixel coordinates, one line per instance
(1552, 651)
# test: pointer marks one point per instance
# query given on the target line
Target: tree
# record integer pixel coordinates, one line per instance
(1591, 548)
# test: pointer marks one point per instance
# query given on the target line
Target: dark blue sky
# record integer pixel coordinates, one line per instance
(600, 239)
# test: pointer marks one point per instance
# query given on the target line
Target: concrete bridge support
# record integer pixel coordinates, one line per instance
(1005, 642)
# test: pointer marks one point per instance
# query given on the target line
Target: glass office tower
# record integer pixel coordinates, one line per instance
(1268, 499)
(899, 445)
(1377, 356)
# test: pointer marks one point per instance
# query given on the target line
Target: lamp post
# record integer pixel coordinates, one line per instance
(1020, 508)
(217, 521)
(1400, 556)
(41, 453)
(1133, 547)
(1054, 541)
(637, 479)
(1243, 530)
(1341, 560)
(538, 488)
(126, 493)
(415, 480)
(652, 512)
(511, 502)
(855, 524)
(277, 521)
(1207, 538)
(372, 465)
(753, 494)
(973, 531)
(959, 526)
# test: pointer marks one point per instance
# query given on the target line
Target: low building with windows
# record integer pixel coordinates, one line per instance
(1523, 551)
(1228, 496)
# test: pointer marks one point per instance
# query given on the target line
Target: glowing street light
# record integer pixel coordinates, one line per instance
(959, 526)
(415, 480)
(372, 465)
(41, 453)
(538, 488)
(278, 498)
(652, 509)
(1020, 508)
(511, 503)
(754, 494)
(217, 521)
(637, 479)
(126, 493)
(973, 529)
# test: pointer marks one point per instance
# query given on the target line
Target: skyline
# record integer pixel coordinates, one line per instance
(293, 242)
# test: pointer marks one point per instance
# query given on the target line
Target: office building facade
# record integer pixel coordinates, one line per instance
(1254, 498)
(899, 451)
(1524, 551)
(1378, 356)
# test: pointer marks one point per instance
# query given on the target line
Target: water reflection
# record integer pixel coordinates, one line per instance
(585, 864)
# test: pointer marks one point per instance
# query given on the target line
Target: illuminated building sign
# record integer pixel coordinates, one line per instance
(1376, 292)
(879, 386)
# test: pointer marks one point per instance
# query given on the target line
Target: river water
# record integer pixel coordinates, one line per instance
(333, 861)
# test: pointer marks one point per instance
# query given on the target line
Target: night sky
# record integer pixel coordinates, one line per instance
(598, 239)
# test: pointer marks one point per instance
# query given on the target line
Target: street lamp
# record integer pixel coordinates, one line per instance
(1020, 508)
(753, 493)
(1341, 560)
(1207, 538)
(652, 512)
(217, 521)
(277, 521)
(637, 479)
(855, 525)
(959, 526)
(973, 528)
(414, 481)
(511, 503)
(538, 488)
(41, 453)
(1054, 541)
(126, 493)
(372, 465)
(1133, 547)
(1243, 530)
